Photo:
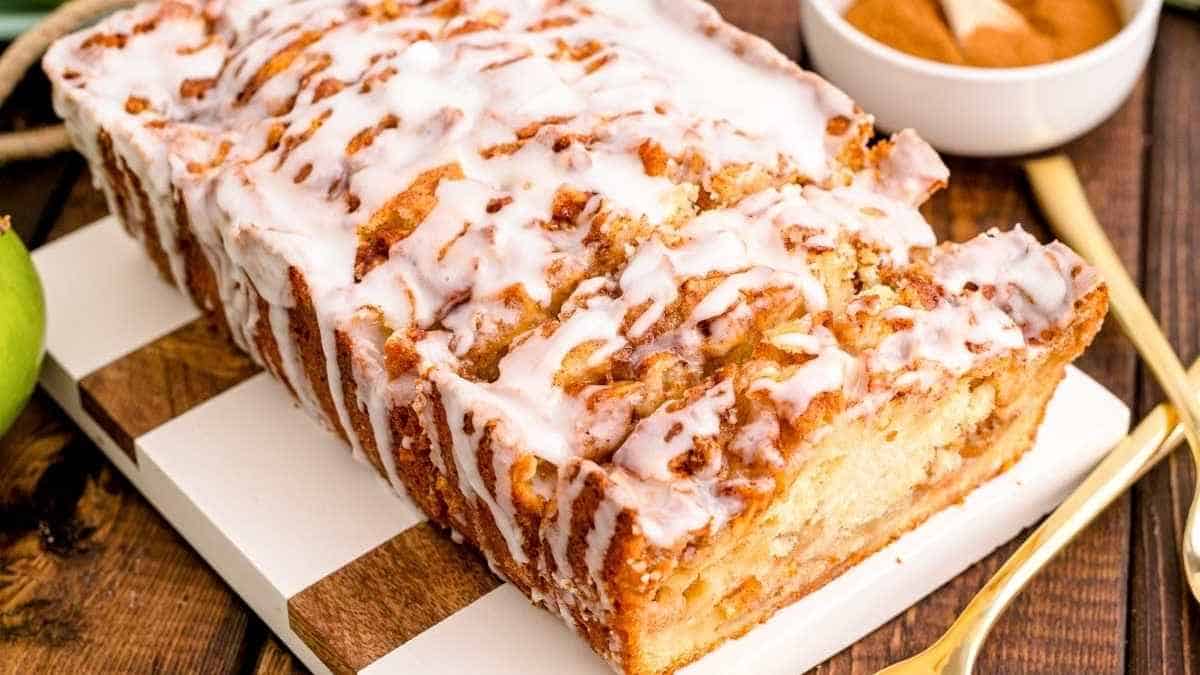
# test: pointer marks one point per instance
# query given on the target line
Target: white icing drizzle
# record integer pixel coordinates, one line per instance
(375, 395)
(302, 135)
(795, 341)
(293, 366)
(718, 241)
(665, 513)
(1034, 284)
(524, 409)
(1030, 288)
(895, 226)
(954, 335)
(758, 440)
(667, 434)
(910, 171)
(604, 525)
(560, 535)
(333, 375)
(833, 370)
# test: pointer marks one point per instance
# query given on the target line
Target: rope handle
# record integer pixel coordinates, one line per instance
(25, 52)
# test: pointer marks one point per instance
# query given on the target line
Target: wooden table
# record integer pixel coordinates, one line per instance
(92, 578)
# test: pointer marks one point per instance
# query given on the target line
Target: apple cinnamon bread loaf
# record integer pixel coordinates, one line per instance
(612, 290)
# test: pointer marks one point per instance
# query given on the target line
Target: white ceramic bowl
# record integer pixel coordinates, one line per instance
(981, 111)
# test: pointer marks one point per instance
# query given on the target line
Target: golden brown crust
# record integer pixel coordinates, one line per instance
(306, 334)
(201, 279)
(426, 485)
(264, 340)
(355, 408)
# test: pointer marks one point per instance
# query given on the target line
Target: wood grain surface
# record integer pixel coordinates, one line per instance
(1165, 624)
(91, 578)
(388, 596)
(170, 376)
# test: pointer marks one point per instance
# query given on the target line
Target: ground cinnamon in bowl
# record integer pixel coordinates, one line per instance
(1057, 29)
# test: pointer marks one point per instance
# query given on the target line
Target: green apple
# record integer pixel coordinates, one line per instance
(22, 325)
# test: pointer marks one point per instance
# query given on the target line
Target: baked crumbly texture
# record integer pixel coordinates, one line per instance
(612, 290)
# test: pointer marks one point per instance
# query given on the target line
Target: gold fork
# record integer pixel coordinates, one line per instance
(1065, 205)
(1062, 199)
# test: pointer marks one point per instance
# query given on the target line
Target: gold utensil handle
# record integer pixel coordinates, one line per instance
(1155, 437)
(1063, 201)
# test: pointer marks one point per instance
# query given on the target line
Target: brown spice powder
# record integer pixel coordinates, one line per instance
(1058, 29)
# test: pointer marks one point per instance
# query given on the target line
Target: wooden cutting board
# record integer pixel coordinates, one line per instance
(350, 575)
